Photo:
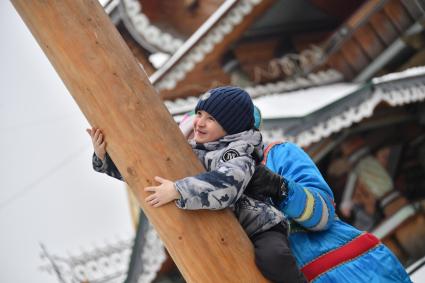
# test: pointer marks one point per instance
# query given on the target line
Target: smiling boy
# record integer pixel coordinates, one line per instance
(225, 141)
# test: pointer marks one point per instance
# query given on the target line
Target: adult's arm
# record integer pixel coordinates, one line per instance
(310, 200)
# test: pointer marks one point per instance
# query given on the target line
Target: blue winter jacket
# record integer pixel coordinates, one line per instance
(316, 230)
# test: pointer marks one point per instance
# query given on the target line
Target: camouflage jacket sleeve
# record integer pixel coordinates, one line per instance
(106, 166)
(221, 187)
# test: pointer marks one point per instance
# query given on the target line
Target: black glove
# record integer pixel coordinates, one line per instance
(264, 184)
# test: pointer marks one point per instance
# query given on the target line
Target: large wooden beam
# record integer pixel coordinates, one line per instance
(115, 94)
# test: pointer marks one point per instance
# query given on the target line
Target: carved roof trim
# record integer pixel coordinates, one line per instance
(395, 89)
(222, 22)
(184, 105)
(144, 32)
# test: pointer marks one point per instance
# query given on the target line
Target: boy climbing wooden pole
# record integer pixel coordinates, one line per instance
(115, 95)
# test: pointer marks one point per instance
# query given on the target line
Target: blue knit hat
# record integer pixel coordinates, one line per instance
(231, 106)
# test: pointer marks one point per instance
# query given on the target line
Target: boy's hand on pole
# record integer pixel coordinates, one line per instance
(162, 194)
(98, 141)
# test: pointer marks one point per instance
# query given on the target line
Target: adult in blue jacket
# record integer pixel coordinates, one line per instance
(326, 249)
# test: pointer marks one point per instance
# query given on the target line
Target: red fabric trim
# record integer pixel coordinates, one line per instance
(347, 252)
(266, 151)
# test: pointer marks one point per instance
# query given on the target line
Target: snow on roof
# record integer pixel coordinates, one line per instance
(302, 102)
(412, 72)
(395, 89)
(230, 14)
(150, 33)
(358, 102)
(183, 105)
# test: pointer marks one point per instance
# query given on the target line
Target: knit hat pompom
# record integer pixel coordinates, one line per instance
(258, 118)
(231, 106)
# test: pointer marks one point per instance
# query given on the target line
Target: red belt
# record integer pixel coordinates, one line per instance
(347, 252)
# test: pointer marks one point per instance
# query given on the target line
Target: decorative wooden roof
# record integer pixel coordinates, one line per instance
(107, 263)
(226, 45)
(164, 25)
(372, 37)
(395, 89)
(147, 34)
(148, 253)
(196, 66)
(184, 105)
(256, 42)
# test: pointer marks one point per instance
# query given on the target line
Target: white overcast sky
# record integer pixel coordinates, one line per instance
(48, 191)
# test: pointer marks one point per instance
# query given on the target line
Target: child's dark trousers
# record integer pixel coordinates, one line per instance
(274, 257)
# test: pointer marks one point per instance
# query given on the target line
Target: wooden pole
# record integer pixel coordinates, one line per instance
(114, 93)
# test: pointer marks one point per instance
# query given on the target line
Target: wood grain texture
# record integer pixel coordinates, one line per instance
(115, 95)
(398, 15)
(383, 27)
(369, 41)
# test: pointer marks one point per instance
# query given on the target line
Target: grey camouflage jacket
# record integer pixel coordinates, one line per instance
(230, 164)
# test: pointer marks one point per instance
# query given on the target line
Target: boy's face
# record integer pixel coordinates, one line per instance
(206, 128)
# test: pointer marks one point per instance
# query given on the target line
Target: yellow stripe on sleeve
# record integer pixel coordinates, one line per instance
(309, 207)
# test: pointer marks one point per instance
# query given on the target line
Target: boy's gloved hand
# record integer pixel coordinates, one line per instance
(264, 183)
